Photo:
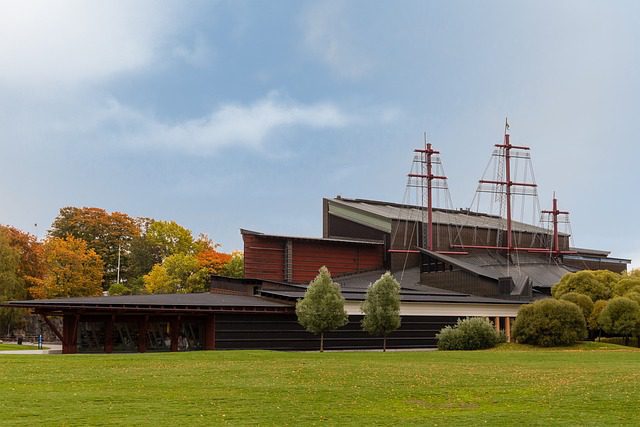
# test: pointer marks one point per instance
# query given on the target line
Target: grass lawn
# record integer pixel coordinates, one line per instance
(591, 384)
(4, 347)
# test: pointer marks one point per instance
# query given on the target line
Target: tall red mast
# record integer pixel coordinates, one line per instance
(427, 159)
(508, 184)
(555, 213)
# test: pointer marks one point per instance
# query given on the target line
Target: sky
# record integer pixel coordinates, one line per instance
(223, 115)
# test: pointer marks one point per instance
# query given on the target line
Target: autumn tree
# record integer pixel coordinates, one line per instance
(213, 260)
(322, 308)
(12, 286)
(179, 273)
(108, 234)
(381, 308)
(72, 269)
(30, 255)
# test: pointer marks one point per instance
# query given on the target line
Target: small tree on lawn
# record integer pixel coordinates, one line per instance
(381, 308)
(322, 308)
(620, 317)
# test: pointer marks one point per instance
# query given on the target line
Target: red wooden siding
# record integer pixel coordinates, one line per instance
(263, 257)
(266, 257)
(339, 258)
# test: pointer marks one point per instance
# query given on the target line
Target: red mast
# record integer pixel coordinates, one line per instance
(555, 213)
(507, 184)
(428, 176)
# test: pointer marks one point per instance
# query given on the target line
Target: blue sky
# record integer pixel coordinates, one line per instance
(222, 115)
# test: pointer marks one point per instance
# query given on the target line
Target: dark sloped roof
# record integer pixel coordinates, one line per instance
(543, 271)
(396, 211)
(200, 301)
(314, 239)
(449, 297)
(409, 280)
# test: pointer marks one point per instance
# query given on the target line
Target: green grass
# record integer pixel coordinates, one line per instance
(4, 347)
(582, 385)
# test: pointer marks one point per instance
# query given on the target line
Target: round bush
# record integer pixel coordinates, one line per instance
(473, 333)
(549, 323)
(582, 301)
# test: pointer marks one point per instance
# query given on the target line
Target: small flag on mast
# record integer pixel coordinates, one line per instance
(506, 123)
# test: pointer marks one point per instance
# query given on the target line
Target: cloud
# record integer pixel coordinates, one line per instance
(228, 125)
(73, 43)
(199, 54)
(327, 34)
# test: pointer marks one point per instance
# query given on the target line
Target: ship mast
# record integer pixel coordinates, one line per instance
(555, 214)
(427, 177)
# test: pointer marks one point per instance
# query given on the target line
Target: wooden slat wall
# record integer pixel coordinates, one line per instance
(265, 257)
(339, 258)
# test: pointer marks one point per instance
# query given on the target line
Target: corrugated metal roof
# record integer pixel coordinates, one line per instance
(393, 211)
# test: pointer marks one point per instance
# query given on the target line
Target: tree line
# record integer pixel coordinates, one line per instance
(89, 251)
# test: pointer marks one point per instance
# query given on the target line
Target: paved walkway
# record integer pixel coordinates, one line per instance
(51, 349)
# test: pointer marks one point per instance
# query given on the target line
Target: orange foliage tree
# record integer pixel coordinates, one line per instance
(72, 270)
(213, 260)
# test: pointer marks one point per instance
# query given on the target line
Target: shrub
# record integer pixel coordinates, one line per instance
(620, 317)
(549, 323)
(473, 333)
(582, 301)
(119, 289)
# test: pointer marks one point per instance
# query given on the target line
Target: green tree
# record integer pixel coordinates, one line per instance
(592, 323)
(626, 285)
(234, 267)
(179, 273)
(12, 286)
(607, 277)
(549, 323)
(582, 301)
(582, 282)
(621, 317)
(72, 269)
(322, 308)
(169, 238)
(381, 308)
(108, 234)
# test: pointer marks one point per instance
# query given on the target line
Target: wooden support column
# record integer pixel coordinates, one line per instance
(108, 334)
(496, 322)
(175, 332)
(210, 332)
(143, 326)
(70, 333)
(507, 328)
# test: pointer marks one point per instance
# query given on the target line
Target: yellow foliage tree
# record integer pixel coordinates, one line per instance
(71, 270)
